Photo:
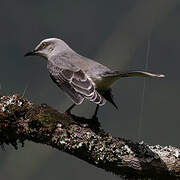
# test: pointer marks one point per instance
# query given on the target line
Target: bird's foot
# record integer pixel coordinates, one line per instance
(68, 111)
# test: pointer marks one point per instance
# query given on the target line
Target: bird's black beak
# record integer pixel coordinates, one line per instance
(31, 53)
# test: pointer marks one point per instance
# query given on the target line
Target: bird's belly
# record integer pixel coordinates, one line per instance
(104, 83)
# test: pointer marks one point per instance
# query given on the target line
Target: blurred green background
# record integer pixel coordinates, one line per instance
(114, 33)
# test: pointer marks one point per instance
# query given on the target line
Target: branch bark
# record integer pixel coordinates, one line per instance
(21, 120)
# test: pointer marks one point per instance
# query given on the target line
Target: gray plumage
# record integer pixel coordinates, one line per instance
(79, 77)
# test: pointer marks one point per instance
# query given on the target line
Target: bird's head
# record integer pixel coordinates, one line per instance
(49, 47)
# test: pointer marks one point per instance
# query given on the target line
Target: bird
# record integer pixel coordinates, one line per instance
(81, 77)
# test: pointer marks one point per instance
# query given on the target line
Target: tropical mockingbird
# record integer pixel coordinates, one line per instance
(80, 77)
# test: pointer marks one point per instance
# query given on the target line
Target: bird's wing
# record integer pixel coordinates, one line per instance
(74, 82)
(66, 87)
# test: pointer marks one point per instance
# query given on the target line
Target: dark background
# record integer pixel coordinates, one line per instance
(114, 33)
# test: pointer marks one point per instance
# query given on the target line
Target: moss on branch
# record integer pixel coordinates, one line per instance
(21, 120)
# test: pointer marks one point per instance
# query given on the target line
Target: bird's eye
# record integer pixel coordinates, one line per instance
(43, 45)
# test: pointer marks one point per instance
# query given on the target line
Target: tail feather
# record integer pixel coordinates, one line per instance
(133, 73)
(140, 73)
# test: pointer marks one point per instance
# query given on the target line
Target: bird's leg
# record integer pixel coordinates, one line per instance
(95, 113)
(70, 108)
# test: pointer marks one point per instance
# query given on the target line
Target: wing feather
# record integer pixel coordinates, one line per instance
(75, 83)
(77, 98)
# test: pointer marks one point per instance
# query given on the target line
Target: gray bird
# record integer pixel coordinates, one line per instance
(80, 77)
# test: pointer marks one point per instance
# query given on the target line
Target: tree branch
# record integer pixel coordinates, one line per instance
(20, 120)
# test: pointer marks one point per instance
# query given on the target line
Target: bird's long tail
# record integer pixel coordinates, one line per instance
(140, 73)
(134, 73)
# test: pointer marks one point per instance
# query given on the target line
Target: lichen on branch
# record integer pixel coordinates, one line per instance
(21, 120)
